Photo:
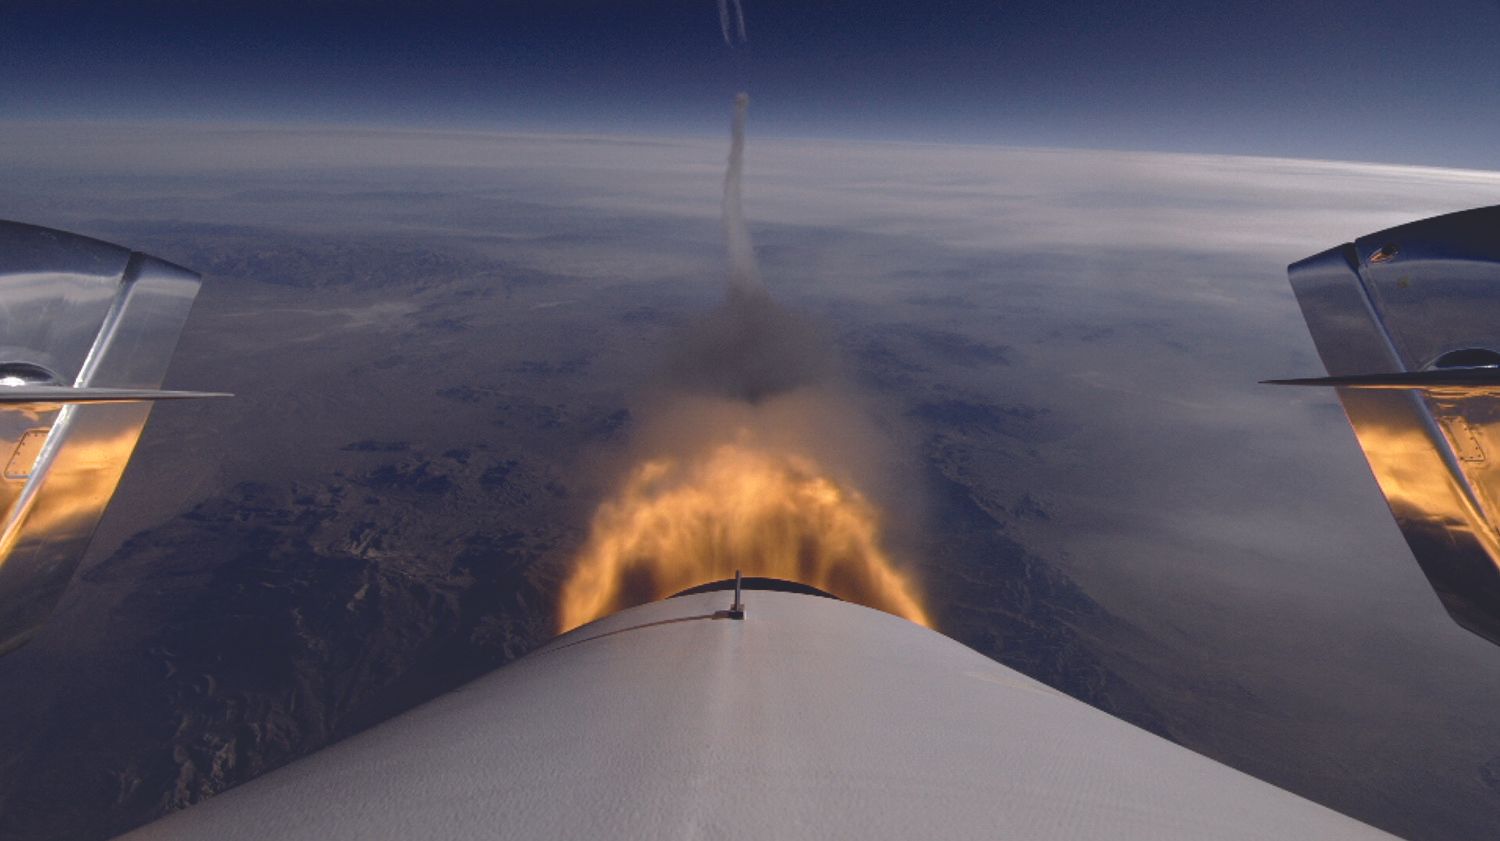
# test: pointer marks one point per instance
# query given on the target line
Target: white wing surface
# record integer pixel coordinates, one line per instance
(810, 718)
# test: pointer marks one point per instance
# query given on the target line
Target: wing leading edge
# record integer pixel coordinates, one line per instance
(810, 718)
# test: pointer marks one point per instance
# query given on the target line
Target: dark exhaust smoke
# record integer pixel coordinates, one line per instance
(750, 348)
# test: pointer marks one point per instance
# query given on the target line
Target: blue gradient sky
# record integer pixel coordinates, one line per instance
(1384, 81)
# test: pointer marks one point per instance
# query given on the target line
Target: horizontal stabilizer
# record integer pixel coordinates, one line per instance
(1460, 381)
(57, 395)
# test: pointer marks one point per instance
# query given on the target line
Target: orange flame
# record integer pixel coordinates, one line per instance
(678, 523)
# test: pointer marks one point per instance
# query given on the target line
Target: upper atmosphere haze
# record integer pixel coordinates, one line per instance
(1274, 78)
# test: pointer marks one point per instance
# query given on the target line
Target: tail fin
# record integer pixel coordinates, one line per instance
(86, 332)
(1407, 322)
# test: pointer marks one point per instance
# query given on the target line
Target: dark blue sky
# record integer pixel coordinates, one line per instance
(1360, 80)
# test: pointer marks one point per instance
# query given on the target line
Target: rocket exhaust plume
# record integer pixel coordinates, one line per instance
(682, 521)
(747, 464)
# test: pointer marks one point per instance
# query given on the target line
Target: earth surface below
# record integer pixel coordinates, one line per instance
(443, 347)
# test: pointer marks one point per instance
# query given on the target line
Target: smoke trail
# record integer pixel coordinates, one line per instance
(739, 17)
(739, 21)
(744, 276)
(751, 348)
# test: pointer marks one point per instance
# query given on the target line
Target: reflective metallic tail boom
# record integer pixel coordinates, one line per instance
(86, 332)
(1407, 322)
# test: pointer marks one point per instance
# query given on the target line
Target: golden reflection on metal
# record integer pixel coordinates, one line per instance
(80, 479)
(679, 522)
(1409, 464)
(1431, 460)
(23, 461)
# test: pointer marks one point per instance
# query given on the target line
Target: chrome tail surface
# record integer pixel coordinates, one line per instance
(1407, 322)
(86, 332)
